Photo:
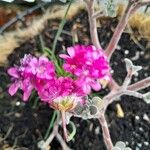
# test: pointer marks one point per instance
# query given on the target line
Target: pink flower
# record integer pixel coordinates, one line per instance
(88, 64)
(29, 74)
(62, 93)
(42, 68)
(19, 82)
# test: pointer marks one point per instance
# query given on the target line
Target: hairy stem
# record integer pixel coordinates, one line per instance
(113, 85)
(62, 142)
(94, 34)
(140, 85)
(45, 145)
(115, 95)
(127, 79)
(92, 22)
(64, 125)
(118, 31)
(131, 8)
(106, 134)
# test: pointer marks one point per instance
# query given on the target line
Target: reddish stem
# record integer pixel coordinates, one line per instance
(140, 85)
(118, 32)
(131, 8)
(106, 134)
(92, 22)
(64, 125)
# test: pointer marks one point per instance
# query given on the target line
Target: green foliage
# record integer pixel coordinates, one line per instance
(61, 27)
(52, 121)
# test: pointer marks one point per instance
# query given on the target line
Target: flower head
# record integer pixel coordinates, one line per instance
(24, 83)
(32, 70)
(88, 64)
(40, 67)
(62, 93)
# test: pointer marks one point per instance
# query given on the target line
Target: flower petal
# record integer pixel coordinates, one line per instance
(86, 88)
(13, 88)
(95, 86)
(71, 51)
(64, 56)
(13, 72)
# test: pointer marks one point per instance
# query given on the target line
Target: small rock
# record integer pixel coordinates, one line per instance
(126, 52)
(139, 144)
(137, 117)
(145, 117)
(97, 129)
(146, 143)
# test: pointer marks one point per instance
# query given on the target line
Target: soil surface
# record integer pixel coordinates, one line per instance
(22, 125)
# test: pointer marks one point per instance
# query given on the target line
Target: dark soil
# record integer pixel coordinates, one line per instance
(27, 125)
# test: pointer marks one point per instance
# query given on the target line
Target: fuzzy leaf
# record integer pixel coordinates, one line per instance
(131, 66)
(120, 144)
(93, 109)
(146, 97)
(116, 148)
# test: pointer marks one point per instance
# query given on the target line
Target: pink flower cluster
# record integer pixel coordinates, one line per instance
(29, 74)
(39, 74)
(86, 63)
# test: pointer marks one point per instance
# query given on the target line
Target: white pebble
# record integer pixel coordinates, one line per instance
(145, 117)
(18, 103)
(112, 71)
(146, 74)
(142, 52)
(126, 52)
(97, 130)
(137, 117)
(118, 47)
(146, 143)
(139, 144)
(136, 56)
(141, 129)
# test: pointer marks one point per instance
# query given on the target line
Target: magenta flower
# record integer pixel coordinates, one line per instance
(42, 68)
(88, 64)
(62, 93)
(19, 82)
(32, 70)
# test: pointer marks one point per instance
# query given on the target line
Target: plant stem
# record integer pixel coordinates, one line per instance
(45, 144)
(35, 102)
(92, 22)
(64, 125)
(118, 32)
(140, 85)
(131, 8)
(62, 142)
(105, 130)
